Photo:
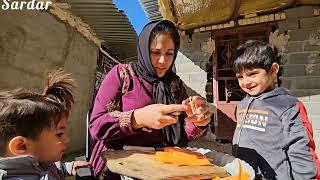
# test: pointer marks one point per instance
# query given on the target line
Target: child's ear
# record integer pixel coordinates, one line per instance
(18, 146)
(275, 68)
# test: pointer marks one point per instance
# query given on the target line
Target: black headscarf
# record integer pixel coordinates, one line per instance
(174, 134)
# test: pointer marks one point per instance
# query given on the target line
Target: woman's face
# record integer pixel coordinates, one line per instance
(162, 53)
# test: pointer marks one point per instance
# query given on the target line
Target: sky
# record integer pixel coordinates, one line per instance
(134, 12)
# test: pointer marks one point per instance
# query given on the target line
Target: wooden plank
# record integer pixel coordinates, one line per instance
(144, 165)
(277, 17)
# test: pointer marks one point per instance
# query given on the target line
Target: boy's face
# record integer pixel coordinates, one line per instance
(257, 80)
(51, 144)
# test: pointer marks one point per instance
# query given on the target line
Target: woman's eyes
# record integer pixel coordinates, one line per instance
(158, 53)
(59, 135)
(155, 52)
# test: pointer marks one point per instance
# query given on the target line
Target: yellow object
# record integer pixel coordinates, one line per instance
(242, 175)
(188, 15)
(187, 151)
(181, 158)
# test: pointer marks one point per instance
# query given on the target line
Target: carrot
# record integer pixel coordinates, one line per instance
(187, 151)
(181, 159)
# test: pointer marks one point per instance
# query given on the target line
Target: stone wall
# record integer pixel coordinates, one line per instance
(302, 61)
(35, 42)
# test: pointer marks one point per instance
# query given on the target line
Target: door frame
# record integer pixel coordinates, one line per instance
(225, 132)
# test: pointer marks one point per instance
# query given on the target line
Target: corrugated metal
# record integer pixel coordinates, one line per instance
(109, 23)
(151, 9)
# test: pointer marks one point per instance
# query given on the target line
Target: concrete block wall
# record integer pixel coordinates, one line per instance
(302, 61)
(191, 63)
(35, 42)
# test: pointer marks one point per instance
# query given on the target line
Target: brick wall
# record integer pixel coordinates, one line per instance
(302, 61)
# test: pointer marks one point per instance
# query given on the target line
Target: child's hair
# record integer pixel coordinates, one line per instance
(256, 54)
(25, 113)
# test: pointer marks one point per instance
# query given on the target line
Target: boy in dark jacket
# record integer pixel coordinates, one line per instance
(273, 133)
(33, 131)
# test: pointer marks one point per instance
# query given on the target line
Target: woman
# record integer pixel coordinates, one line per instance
(138, 104)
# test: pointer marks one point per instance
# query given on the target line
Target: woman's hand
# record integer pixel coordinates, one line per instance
(156, 116)
(79, 164)
(197, 111)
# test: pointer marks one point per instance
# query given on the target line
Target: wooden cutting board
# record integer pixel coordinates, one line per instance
(144, 165)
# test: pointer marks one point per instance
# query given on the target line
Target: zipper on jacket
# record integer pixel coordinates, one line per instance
(242, 123)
